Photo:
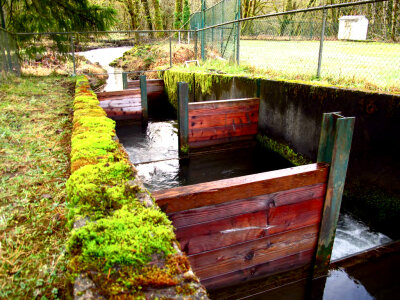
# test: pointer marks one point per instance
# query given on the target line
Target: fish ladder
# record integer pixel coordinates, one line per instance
(249, 227)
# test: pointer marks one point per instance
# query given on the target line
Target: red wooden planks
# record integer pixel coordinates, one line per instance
(212, 105)
(253, 253)
(272, 267)
(215, 133)
(241, 228)
(213, 120)
(117, 94)
(243, 206)
(243, 187)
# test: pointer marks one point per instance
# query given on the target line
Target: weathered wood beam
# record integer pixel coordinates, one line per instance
(216, 192)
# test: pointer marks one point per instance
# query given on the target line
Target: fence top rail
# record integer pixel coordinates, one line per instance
(101, 32)
(289, 12)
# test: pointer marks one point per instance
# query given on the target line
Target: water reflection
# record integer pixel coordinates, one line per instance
(339, 285)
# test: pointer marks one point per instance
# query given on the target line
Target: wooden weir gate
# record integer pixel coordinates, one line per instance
(249, 227)
(132, 102)
(239, 229)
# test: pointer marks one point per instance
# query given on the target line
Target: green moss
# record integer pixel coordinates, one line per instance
(121, 237)
(171, 79)
(284, 150)
(129, 237)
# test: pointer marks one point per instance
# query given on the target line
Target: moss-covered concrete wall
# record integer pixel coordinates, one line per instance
(121, 244)
(292, 112)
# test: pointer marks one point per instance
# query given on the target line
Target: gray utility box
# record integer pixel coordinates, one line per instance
(353, 28)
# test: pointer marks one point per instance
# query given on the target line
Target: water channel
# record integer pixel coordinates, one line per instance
(153, 149)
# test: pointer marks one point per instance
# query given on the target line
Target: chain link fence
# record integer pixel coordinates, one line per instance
(221, 41)
(319, 44)
(9, 62)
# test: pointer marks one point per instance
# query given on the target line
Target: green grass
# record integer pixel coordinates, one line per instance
(362, 65)
(35, 127)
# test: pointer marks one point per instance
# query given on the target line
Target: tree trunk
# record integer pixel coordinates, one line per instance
(157, 17)
(394, 20)
(132, 6)
(148, 16)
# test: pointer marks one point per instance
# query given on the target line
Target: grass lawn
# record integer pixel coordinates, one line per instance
(35, 127)
(366, 65)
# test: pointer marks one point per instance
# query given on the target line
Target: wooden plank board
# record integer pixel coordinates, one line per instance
(253, 253)
(243, 187)
(120, 103)
(242, 206)
(215, 133)
(213, 120)
(242, 228)
(150, 82)
(291, 262)
(109, 95)
(223, 103)
(222, 110)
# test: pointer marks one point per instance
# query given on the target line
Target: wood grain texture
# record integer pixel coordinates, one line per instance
(221, 142)
(253, 253)
(221, 110)
(243, 206)
(291, 262)
(245, 227)
(213, 120)
(243, 187)
(223, 103)
(221, 132)
(117, 94)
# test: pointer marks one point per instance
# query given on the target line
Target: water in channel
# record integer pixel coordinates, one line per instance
(153, 149)
(104, 57)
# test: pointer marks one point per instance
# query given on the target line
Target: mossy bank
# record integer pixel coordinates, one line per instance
(121, 242)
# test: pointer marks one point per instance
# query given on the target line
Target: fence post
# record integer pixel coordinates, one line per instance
(8, 51)
(222, 27)
(124, 80)
(73, 53)
(183, 121)
(238, 32)
(195, 43)
(179, 37)
(143, 96)
(334, 148)
(203, 17)
(321, 43)
(170, 52)
(3, 50)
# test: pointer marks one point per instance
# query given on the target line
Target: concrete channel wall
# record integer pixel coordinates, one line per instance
(291, 112)
(121, 244)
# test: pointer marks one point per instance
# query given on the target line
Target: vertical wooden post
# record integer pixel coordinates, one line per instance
(124, 80)
(335, 144)
(183, 121)
(258, 94)
(73, 53)
(143, 96)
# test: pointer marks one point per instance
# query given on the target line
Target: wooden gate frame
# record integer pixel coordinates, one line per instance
(214, 123)
(329, 171)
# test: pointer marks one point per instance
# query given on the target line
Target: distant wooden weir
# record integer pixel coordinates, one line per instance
(132, 102)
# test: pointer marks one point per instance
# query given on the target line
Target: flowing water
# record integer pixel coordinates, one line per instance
(104, 57)
(153, 149)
